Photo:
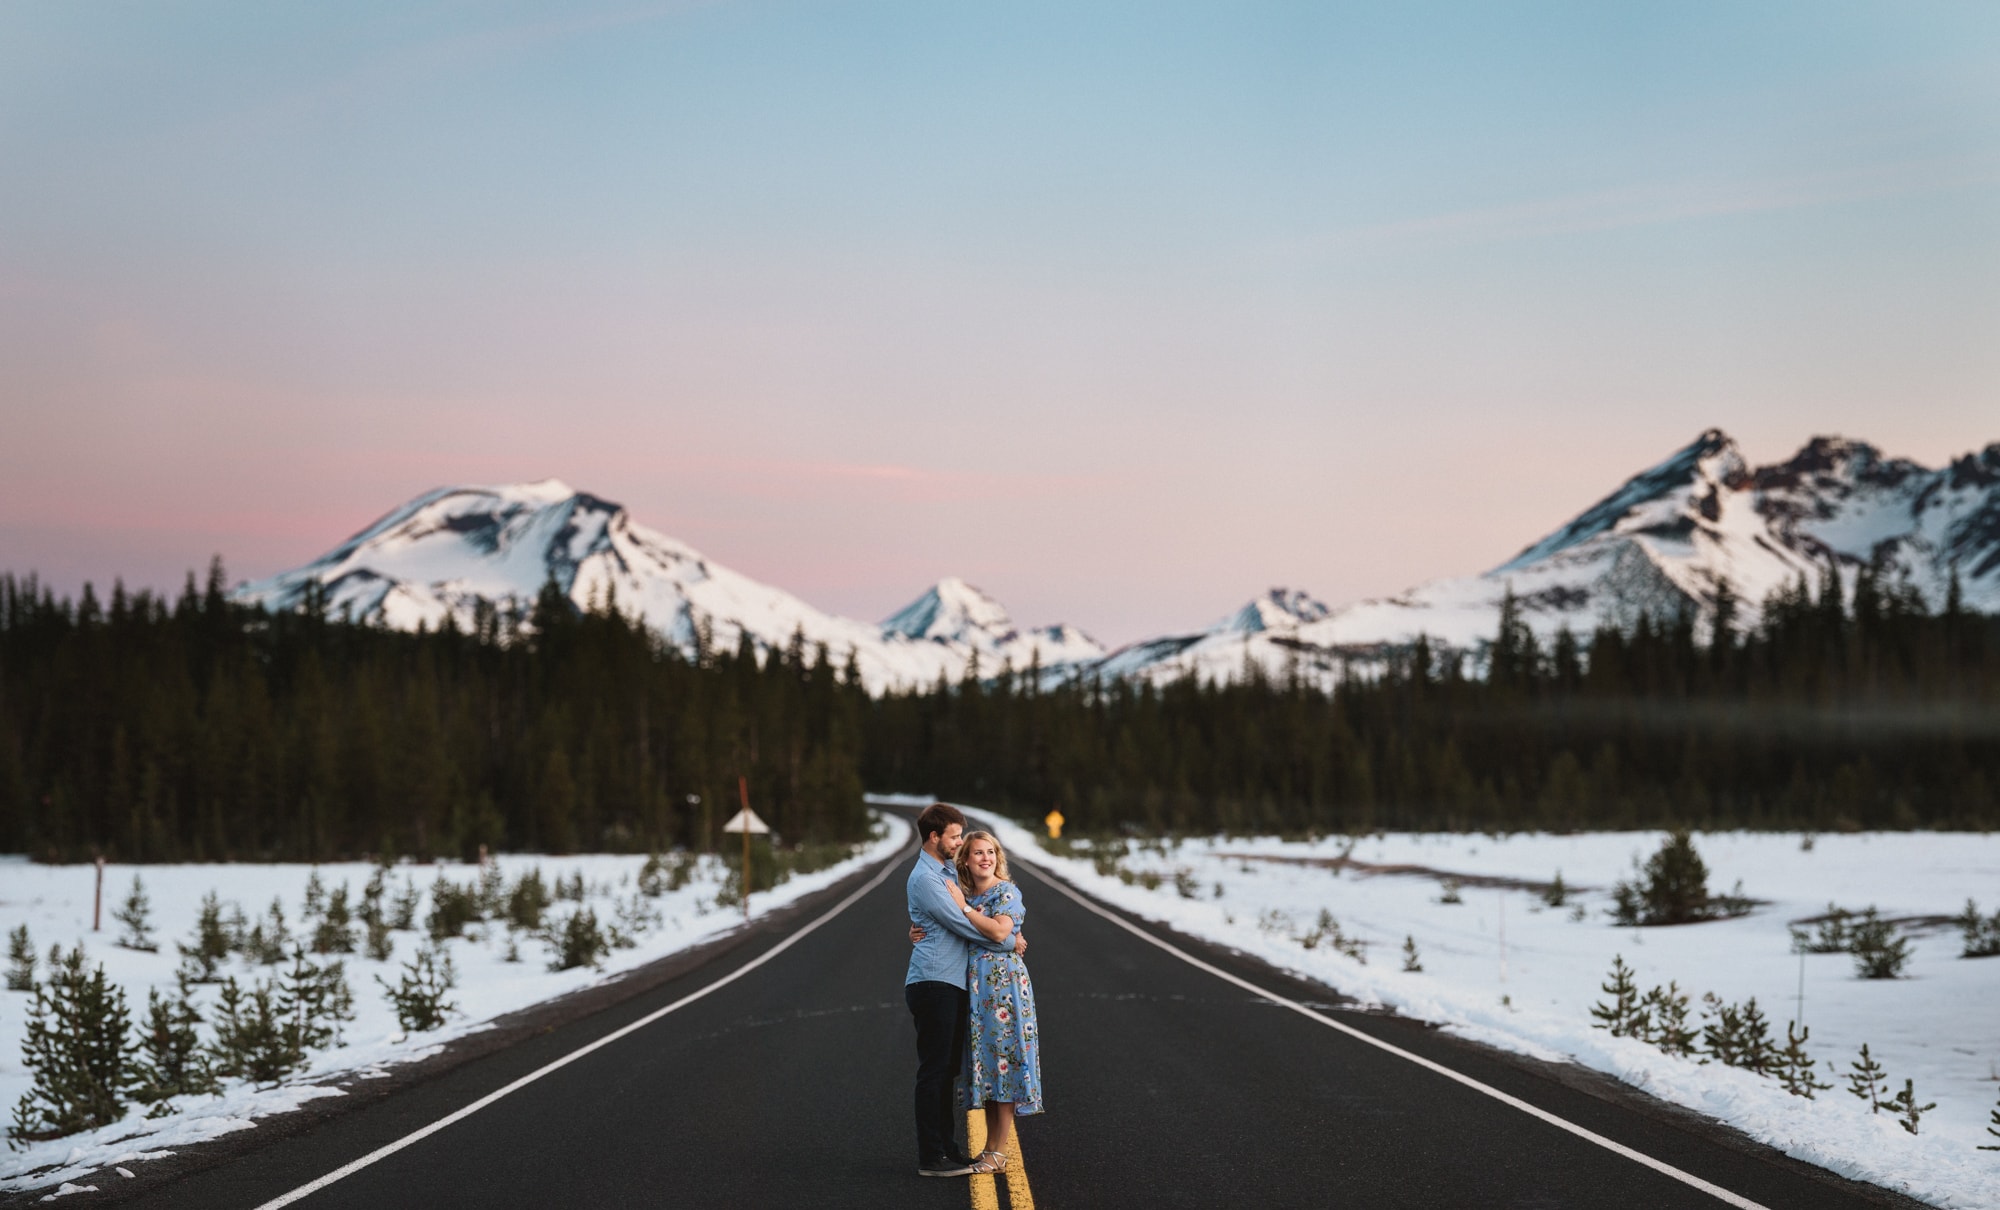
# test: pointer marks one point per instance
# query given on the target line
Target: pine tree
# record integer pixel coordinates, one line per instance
(1556, 894)
(1905, 1105)
(1879, 951)
(172, 1062)
(335, 933)
(1621, 1015)
(1982, 934)
(202, 961)
(1758, 1053)
(1664, 1013)
(269, 940)
(20, 961)
(1794, 1066)
(249, 1040)
(312, 1003)
(419, 996)
(403, 909)
(136, 915)
(315, 899)
(79, 1048)
(1866, 1079)
(1993, 1128)
(1411, 962)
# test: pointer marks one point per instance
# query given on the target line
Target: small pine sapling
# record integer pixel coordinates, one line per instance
(1556, 894)
(315, 899)
(528, 900)
(1758, 1053)
(136, 914)
(452, 908)
(335, 932)
(1411, 962)
(580, 942)
(238, 927)
(1905, 1105)
(249, 1040)
(1866, 1079)
(1982, 934)
(1879, 951)
(1795, 1067)
(403, 909)
(269, 940)
(1993, 1128)
(1738, 1035)
(1672, 887)
(1184, 883)
(492, 893)
(20, 961)
(1621, 1014)
(78, 1048)
(313, 1003)
(419, 996)
(1663, 1011)
(379, 944)
(172, 1062)
(1833, 935)
(1449, 893)
(201, 961)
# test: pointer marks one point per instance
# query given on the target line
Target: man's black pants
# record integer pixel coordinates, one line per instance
(939, 1010)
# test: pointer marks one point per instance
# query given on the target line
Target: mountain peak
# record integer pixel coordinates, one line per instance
(1278, 609)
(950, 609)
(1696, 469)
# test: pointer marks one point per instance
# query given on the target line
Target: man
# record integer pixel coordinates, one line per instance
(934, 988)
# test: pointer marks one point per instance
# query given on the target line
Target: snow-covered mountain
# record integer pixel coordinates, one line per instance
(445, 552)
(1666, 538)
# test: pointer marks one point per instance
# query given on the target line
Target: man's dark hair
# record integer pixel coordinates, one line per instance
(935, 819)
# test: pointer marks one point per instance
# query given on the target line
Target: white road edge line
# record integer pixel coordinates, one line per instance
(416, 1136)
(1638, 1157)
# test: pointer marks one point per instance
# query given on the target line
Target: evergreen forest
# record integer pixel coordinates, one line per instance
(197, 728)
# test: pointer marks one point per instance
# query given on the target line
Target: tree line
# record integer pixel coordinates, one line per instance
(205, 729)
(1837, 711)
(200, 728)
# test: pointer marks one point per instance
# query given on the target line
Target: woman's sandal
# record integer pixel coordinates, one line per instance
(990, 1161)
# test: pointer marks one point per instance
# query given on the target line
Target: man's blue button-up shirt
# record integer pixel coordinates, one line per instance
(945, 953)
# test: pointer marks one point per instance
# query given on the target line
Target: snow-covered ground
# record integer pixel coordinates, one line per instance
(55, 903)
(1502, 968)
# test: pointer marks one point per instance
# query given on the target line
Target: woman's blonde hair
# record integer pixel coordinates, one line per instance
(964, 860)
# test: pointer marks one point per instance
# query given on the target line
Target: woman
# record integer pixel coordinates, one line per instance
(1003, 1054)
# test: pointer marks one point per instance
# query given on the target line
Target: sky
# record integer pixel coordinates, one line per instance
(1123, 312)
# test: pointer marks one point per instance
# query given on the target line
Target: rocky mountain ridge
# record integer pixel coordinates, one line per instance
(1664, 540)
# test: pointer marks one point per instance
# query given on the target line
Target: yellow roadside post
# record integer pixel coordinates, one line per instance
(746, 822)
(1055, 821)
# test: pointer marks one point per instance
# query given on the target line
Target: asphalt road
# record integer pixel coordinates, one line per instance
(1166, 1086)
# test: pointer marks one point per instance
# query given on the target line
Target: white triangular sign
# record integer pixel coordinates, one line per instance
(746, 821)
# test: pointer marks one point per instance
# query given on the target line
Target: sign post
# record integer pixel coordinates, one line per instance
(746, 822)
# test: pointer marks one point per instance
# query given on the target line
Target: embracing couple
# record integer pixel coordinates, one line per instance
(969, 994)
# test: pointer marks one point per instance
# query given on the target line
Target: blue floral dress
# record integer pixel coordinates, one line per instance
(1003, 1055)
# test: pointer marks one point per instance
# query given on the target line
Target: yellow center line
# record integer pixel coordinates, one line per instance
(984, 1195)
(1019, 1196)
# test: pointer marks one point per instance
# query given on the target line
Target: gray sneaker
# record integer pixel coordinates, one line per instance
(944, 1166)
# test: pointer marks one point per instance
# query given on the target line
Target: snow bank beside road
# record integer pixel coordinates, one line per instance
(55, 903)
(1939, 1026)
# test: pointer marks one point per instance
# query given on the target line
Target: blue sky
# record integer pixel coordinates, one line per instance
(1124, 312)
